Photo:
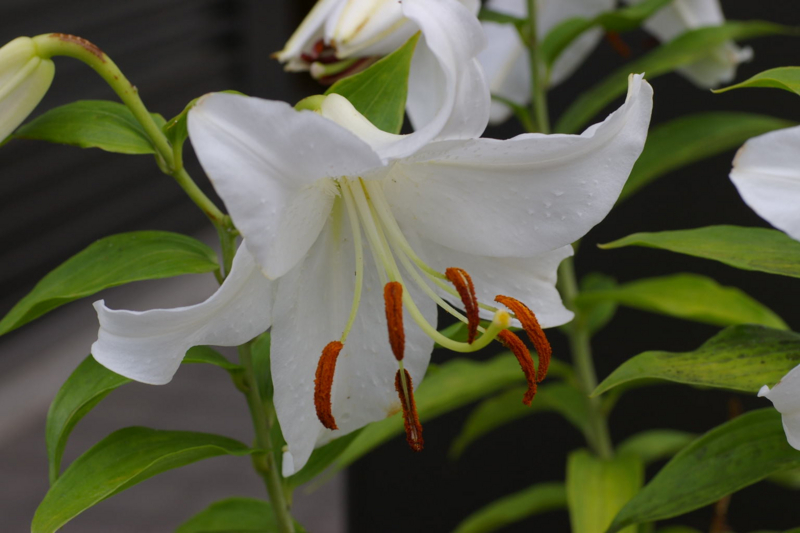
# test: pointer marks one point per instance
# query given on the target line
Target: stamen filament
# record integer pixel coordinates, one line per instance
(359, 282)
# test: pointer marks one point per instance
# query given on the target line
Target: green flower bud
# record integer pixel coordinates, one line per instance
(24, 80)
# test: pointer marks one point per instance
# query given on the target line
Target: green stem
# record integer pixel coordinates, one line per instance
(538, 81)
(59, 44)
(267, 465)
(579, 340)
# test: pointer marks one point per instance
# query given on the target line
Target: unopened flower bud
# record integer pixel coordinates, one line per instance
(24, 80)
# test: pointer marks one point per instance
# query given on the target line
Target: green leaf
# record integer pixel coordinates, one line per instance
(684, 50)
(740, 358)
(456, 383)
(786, 78)
(621, 20)
(788, 479)
(759, 249)
(655, 444)
(121, 460)
(489, 15)
(110, 262)
(724, 460)
(86, 387)
(235, 515)
(511, 509)
(321, 459)
(690, 297)
(379, 93)
(260, 350)
(597, 489)
(692, 138)
(109, 126)
(596, 314)
(507, 407)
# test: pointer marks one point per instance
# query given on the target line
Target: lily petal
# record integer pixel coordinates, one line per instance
(448, 97)
(531, 280)
(311, 310)
(680, 16)
(266, 162)
(766, 171)
(517, 198)
(786, 398)
(148, 346)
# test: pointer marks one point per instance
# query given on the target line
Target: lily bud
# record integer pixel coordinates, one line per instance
(24, 80)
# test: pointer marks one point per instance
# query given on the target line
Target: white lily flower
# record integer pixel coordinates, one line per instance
(719, 66)
(314, 193)
(344, 36)
(766, 172)
(24, 80)
(506, 59)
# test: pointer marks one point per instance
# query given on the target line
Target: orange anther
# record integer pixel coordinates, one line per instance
(410, 418)
(533, 329)
(466, 290)
(393, 297)
(518, 348)
(324, 382)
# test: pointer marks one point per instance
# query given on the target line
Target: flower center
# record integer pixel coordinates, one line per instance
(368, 210)
(327, 68)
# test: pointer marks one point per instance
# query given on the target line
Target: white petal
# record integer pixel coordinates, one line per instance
(267, 162)
(766, 171)
(309, 31)
(312, 306)
(148, 346)
(505, 61)
(22, 91)
(531, 280)
(524, 196)
(680, 16)
(369, 27)
(786, 398)
(448, 94)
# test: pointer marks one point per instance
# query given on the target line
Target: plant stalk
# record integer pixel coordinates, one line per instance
(266, 466)
(538, 70)
(59, 44)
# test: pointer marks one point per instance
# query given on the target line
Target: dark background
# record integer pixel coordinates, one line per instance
(56, 200)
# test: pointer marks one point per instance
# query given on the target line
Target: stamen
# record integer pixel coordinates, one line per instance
(393, 297)
(466, 290)
(402, 382)
(324, 382)
(533, 329)
(518, 348)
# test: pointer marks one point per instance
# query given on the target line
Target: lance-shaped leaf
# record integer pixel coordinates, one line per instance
(455, 384)
(620, 20)
(235, 515)
(379, 93)
(507, 407)
(595, 315)
(86, 387)
(110, 262)
(692, 138)
(597, 489)
(684, 50)
(655, 444)
(740, 358)
(758, 249)
(109, 126)
(121, 460)
(786, 78)
(691, 297)
(511, 509)
(724, 460)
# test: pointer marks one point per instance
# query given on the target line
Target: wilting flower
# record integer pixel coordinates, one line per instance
(340, 37)
(506, 59)
(766, 173)
(344, 243)
(24, 80)
(719, 66)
